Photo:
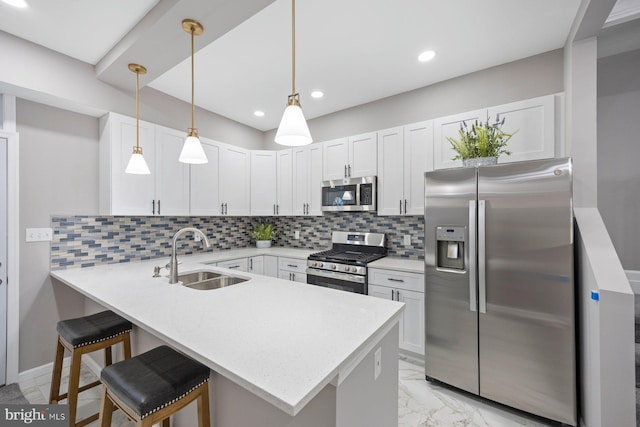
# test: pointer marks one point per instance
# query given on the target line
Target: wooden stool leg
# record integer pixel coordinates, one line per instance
(106, 409)
(74, 383)
(166, 422)
(108, 356)
(127, 346)
(204, 419)
(57, 374)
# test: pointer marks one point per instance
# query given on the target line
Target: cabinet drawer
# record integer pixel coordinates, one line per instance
(396, 279)
(239, 264)
(292, 264)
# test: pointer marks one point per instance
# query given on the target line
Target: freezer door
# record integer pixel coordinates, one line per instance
(526, 288)
(451, 318)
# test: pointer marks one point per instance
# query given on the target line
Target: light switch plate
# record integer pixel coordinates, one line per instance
(296, 234)
(407, 239)
(39, 234)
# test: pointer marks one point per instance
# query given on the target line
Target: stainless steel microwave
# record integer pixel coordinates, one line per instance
(349, 194)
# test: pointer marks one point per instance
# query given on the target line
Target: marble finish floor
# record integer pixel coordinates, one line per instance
(420, 403)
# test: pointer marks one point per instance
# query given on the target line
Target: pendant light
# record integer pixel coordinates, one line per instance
(293, 129)
(136, 164)
(192, 151)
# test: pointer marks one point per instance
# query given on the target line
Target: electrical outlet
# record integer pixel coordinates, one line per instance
(377, 363)
(39, 234)
(197, 237)
(407, 239)
(296, 235)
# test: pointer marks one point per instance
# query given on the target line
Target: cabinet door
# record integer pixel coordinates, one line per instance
(449, 126)
(235, 180)
(412, 332)
(256, 264)
(363, 155)
(172, 177)
(300, 184)
(284, 177)
(534, 121)
(263, 183)
(123, 193)
(270, 266)
(336, 158)
(314, 199)
(205, 182)
(240, 264)
(293, 276)
(390, 171)
(418, 159)
(380, 292)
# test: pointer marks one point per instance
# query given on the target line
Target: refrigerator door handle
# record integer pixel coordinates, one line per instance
(473, 266)
(482, 258)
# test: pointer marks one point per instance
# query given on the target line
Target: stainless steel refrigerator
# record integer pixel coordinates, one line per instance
(499, 288)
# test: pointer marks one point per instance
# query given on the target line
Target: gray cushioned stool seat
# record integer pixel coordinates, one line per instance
(94, 328)
(153, 380)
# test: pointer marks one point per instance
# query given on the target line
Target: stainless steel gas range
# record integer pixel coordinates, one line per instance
(344, 266)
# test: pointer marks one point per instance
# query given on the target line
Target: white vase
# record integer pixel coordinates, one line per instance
(263, 243)
(479, 161)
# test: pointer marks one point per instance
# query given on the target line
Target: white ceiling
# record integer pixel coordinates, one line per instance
(356, 51)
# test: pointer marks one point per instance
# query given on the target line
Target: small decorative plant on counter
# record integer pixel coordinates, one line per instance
(481, 144)
(263, 233)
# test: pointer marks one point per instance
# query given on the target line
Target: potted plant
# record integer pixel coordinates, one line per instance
(263, 233)
(481, 144)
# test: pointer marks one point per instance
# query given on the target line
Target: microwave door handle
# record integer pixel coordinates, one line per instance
(357, 194)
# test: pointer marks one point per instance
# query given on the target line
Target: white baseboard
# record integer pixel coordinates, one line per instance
(634, 280)
(47, 369)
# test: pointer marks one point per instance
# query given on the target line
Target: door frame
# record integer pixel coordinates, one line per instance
(8, 131)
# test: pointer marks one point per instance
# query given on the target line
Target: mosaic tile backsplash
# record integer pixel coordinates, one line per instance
(86, 241)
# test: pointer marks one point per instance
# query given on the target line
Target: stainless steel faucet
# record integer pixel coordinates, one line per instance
(173, 263)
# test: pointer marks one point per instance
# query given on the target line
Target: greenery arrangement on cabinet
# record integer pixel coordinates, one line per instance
(263, 233)
(481, 140)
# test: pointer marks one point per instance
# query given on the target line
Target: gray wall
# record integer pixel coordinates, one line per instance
(618, 153)
(58, 173)
(527, 78)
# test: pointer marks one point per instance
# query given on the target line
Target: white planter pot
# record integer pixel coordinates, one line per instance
(263, 243)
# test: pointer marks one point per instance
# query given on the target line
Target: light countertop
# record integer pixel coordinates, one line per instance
(282, 340)
(398, 264)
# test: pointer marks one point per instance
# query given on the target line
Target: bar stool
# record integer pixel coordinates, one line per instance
(81, 336)
(154, 385)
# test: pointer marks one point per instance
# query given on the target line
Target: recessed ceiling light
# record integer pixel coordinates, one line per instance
(317, 94)
(427, 55)
(258, 113)
(17, 3)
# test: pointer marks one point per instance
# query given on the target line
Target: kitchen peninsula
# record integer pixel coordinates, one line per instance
(281, 353)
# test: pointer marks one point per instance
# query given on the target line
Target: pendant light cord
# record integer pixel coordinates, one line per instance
(137, 109)
(293, 47)
(193, 107)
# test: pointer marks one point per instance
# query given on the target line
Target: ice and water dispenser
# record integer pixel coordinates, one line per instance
(450, 247)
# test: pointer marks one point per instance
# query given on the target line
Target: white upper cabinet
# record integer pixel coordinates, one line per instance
(355, 156)
(533, 120)
(307, 180)
(235, 181)
(164, 192)
(263, 183)
(449, 126)
(172, 179)
(284, 178)
(404, 155)
(205, 181)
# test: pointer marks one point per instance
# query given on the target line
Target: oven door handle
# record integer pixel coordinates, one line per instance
(336, 275)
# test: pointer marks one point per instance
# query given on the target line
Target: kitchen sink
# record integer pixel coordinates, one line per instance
(206, 280)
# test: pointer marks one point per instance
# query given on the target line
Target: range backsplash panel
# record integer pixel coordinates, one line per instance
(86, 241)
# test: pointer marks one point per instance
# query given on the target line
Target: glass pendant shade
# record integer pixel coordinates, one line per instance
(137, 164)
(293, 130)
(192, 151)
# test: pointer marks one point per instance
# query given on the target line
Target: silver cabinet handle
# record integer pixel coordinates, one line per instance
(0, 281)
(345, 171)
(400, 207)
(153, 207)
(397, 295)
(274, 209)
(251, 263)
(292, 266)
(405, 206)
(349, 170)
(226, 210)
(293, 276)
(158, 207)
(395, 280)
(393, 294)
(482, 258)
(233, 266)
(473, 266)
(277, 209)
(290, 276)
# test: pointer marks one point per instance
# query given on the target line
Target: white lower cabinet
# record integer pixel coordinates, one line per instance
(270, 266)
(256, 264)
(292, 269)
(409, 289)
(240, 264)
